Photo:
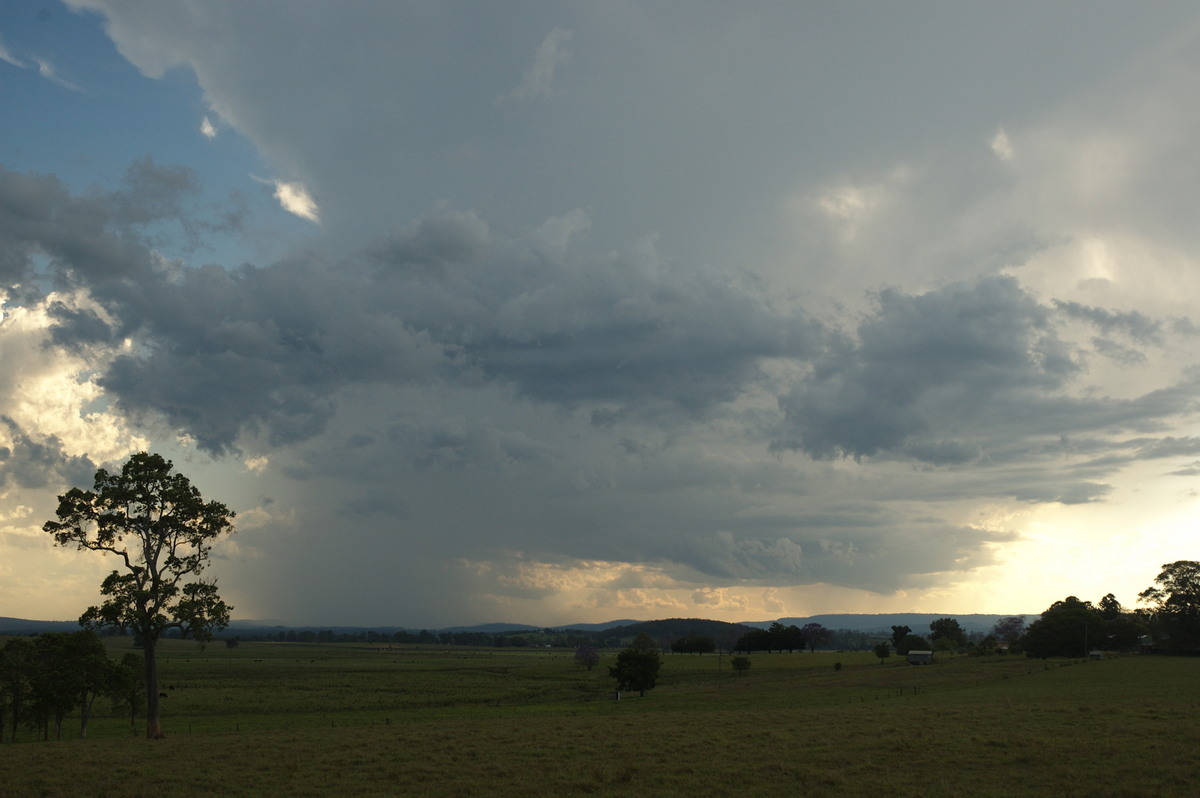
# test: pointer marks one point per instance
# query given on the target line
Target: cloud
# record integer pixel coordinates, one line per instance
(294, 198)
(208, 129)
(749, 558)
(30, 463)
(438, 240)
(1002, 146)
(267, 348)
(48, 71)
(537, 82)
(921, 367)
(736, 314)
(975, 376)
(1134, 324)
(6, 55)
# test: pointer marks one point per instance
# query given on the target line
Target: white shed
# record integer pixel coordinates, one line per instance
(920, 658)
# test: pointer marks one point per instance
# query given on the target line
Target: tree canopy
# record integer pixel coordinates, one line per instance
(813, 635)
(776, 637)
(1068, 628)
(947, 634)
(911, 642)
(637, 666)
(1174, 599)
(161, 531)
(693, 644)
(1009, 630)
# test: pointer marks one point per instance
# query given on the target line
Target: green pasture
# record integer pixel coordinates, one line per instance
(327, 719)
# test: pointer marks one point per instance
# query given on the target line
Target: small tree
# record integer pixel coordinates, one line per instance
(1009, 630)
(740, 665)
(162, 531)
(814, 635)
(883, 651)
(128, 688)
(637, 666)
(587, 656)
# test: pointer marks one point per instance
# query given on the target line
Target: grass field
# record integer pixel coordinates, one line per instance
(294, 719)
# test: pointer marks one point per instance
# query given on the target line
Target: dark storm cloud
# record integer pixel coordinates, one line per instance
(1120, 454)
(970, 373)
(39, 217)
(97, 238)
(1137, 326)
(921, 371)
(260, 349)
(31, 463)
(264, 349)
(438, 240)
(632, 332)
(215, 351)
(868, 557)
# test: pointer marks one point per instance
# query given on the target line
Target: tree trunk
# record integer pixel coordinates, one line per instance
(153, 728)
(85, 712)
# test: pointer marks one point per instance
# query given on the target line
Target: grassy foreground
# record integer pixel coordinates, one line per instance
(298, 720)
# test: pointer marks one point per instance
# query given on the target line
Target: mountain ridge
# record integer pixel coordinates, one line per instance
(860, 622)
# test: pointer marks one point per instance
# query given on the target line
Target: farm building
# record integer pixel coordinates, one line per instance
(920, 658)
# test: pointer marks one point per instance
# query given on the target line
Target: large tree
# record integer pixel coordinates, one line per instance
(160, 529)
(1068, 628)
(1174, 600)
(947, 634)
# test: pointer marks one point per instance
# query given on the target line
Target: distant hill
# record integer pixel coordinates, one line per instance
(883, 623)
(598, 627)
(492, 628)
(720, 631)
(723, 634)
(21, 626)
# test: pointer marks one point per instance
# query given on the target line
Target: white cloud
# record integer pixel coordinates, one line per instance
(551, 54)
(257, 464)
(207, 129)
(1001, 145)
(554, 235)
(772, 602)
(7, 56)
(56, 394)
(294, 198)
(47, 71)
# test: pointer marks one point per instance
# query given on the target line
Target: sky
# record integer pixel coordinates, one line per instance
(550, 313)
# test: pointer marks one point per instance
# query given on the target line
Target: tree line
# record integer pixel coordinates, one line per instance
(44, 679)
(1072, 627)
(778, 637)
